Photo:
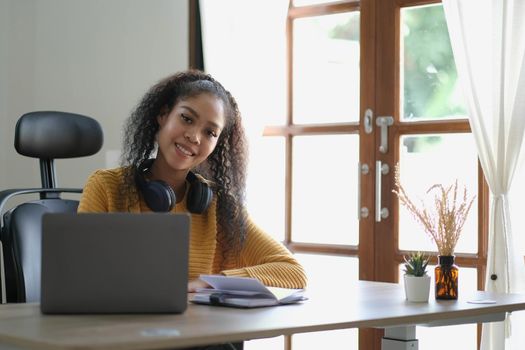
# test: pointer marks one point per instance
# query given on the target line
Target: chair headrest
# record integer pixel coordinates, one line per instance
(50, 135)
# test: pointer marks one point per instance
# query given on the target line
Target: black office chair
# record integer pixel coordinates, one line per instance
(46, 136)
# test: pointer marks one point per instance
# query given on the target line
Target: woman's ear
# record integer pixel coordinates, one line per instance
(163, 116)
(161, 119)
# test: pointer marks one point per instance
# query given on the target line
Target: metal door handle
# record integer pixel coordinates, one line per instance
(381, 169)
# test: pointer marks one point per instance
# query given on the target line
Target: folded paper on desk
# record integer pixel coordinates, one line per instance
(244, 292)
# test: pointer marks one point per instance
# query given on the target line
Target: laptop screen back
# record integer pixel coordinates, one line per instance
(115, 263)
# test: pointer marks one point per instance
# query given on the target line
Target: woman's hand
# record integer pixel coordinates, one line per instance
(196, 283)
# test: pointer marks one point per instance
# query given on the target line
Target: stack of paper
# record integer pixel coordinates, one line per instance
(244, 292)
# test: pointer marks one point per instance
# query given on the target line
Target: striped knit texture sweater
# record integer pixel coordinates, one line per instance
(261, 257)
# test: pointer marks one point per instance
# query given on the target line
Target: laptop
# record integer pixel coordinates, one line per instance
(114, 263)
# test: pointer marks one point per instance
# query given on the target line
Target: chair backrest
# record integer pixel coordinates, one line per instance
(44, 135)
(22, 240)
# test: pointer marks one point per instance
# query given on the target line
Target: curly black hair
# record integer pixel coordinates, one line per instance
(225, 167)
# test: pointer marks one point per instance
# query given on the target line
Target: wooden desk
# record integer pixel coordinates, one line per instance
(367, 304)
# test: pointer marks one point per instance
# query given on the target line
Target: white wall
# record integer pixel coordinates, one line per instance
(4, 25)
(93, 57)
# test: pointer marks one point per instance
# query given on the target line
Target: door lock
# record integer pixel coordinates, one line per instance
(384, 123)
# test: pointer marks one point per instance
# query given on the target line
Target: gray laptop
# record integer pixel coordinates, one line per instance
(114, 263)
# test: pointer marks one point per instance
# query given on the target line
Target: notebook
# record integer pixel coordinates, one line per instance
(114, 263)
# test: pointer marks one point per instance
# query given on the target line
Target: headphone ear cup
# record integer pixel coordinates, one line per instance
(199, 197)
(158, 195)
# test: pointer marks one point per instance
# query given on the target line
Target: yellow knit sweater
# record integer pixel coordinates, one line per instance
(261, 257)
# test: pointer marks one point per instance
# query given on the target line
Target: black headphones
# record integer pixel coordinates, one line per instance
(160, 197)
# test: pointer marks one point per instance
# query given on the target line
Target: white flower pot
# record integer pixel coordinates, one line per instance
(417, 289)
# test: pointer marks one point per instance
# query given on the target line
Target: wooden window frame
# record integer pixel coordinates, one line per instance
(289, 130)
(379, 47)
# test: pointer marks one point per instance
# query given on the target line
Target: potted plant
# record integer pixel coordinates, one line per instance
(417, 282)
(443, 221)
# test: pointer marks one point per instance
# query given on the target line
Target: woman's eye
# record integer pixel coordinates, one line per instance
(212, 133)
(185, 118)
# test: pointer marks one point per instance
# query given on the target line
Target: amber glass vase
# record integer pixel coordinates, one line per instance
(446, 273)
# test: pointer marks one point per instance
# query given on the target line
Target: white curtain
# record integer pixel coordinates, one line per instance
(488, 41)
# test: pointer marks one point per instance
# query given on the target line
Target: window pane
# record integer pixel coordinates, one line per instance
(335, 339)
(326, 69)
(311, 2)
(428, 71)
(431, 338)
(316, 266)
(264, 343)
(426, 160)
(325, 189)
(265, 202)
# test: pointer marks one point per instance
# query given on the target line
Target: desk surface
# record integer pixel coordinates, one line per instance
(366, 304)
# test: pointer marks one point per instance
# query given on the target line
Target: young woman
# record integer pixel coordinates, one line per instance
(184, 150)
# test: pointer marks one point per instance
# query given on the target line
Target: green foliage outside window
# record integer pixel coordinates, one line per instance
(428, 69)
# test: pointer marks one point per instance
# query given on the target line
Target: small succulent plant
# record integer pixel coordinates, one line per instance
(416, 264)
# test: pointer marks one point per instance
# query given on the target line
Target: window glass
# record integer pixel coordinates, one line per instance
(317, 266)
(345, 338)
(325, 189)
(426, 160)
(326, 68)
(265, 184)
(428, 72)
(264, 343)
(322, 271)
(311, 2)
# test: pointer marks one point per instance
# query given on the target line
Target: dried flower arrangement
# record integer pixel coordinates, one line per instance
(445, 222)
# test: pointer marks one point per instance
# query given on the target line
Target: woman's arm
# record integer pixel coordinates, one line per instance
(268, 260)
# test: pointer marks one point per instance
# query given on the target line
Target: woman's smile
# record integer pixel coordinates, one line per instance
(184, 150)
